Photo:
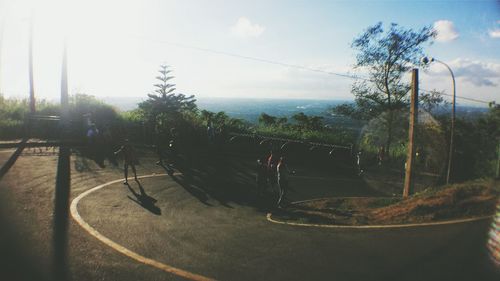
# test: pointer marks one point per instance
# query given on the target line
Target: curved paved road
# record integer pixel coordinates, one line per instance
(235, 242)
(218, 233)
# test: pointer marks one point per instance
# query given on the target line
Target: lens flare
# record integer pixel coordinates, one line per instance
(494, 239)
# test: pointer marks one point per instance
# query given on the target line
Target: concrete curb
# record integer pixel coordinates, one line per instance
(382, 226)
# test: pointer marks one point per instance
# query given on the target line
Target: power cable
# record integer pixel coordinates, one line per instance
(459, 97)
(345, 75)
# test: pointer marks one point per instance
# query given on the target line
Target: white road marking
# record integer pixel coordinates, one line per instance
(92, 231)
(270, 219)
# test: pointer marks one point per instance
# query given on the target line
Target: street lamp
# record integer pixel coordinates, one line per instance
(428, 60)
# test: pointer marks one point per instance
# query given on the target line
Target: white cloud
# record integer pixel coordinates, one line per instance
(245, 28)
(445, 31)
(494, 33)
(475, 72)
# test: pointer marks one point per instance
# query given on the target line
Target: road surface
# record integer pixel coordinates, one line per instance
(216, 230)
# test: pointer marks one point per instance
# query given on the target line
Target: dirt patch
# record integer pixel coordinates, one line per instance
(458, 201)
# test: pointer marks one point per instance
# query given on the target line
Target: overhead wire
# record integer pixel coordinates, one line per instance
(289, 65)
(296, 66)
(345, 75)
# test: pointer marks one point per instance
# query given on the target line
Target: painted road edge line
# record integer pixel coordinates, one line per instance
(92, 231)
(270, 219)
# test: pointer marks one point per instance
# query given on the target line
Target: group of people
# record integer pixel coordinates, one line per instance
(360, 163)
(167, 148)
(130, 159)
(216, 136)
(273, 171)
(100, 144)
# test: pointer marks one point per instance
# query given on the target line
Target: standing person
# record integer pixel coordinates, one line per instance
(381, 155)
(359, 155)
(222, 135)
(210, 132)
(261, 178)
(92, 134)
(95, 144)
(129, 159)
(160, 147)
(272, 161)
(173, 151)
(282, 175)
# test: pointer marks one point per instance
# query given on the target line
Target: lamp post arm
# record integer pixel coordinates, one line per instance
(451, 72)
(450, 154)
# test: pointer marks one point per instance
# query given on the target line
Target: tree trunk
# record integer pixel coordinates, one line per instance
(388, 143)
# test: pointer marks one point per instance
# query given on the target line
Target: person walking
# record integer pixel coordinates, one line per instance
(160, 141)
(381, 155)
(210, 132)
(272, 161)
(282, 175)
(129, 159)
(261, 176)
(173, 151)
(359, 163)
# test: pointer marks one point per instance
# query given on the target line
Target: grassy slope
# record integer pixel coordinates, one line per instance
(464, 200)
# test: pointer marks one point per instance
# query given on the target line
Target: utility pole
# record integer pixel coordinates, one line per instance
(2, 27)
(411, 134)
(32, 83)
(63, 183)
(498, 159)
(452, 129)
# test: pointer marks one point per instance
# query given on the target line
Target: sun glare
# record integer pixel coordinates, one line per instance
(97, 33)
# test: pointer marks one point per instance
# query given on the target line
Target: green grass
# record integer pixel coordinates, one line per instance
(455, 201)
(326, 136)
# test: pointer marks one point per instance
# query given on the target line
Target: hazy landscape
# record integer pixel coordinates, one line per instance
(249, 109)
(249, 140)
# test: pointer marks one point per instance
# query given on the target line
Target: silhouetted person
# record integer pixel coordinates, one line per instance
(161, 143)
(172, 151)
(222, 136)
(210, 132)
(95, 143)
(282, 175)
(359, 163)
(261, 178)
(129, 159)
(108, 145)
(272, 161)
(92, 133)
(381, 155)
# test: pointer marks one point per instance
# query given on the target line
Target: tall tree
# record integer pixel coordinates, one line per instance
(267, 120)
(308, 122)
(164, 105)
(431, 100)
(387, 55)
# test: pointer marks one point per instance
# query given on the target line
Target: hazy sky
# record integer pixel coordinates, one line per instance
(115, 47)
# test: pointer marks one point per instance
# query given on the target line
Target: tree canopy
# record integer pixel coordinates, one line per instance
(164, 105)
(387, 55)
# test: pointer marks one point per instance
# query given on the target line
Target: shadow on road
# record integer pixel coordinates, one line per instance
(222, 179)
(143, 199)
(12, 159)
(228, 179)
(193, 188)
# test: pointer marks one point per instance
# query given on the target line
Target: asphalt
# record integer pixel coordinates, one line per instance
(217, 230)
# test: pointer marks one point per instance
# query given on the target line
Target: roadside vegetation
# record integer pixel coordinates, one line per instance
(469, 199)
(380, 108)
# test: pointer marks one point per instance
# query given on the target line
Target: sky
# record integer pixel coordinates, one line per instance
(223, 48)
